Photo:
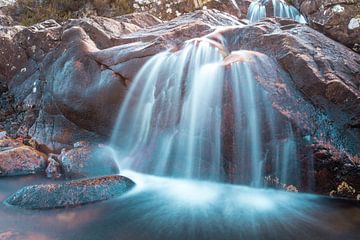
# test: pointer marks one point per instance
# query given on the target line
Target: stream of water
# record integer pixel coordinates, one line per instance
(163, 208)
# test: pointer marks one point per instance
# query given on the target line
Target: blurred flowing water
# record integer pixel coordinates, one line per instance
(164, 208)
(172, 138)
(176, 118)
(258, 9)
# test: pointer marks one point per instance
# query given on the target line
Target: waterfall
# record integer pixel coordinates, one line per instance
(257, 10)
(199, 113)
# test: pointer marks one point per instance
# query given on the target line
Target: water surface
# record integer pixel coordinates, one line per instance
(163, 208)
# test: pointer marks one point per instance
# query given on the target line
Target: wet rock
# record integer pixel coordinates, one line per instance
(107, 73)
(237, 8)
(70, 194)
(17, 159)
(314, 63)
(87, 161)
(335, 170)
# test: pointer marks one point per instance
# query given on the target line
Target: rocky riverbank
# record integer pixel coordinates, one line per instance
(63, 83)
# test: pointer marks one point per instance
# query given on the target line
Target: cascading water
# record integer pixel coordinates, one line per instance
(199, 113)
(170, 121)
(258, 10)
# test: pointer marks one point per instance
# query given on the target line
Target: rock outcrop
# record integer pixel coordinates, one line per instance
(70, 194)
(62, 83)
(338, 19)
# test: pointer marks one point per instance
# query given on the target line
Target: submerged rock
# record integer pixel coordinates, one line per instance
(17, 159)
(70, 194)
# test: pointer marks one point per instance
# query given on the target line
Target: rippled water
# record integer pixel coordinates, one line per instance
(162, 208)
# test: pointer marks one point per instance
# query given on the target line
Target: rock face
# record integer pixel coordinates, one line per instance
(18, 159)
(336, 18)
(332, 168)
(65, 83)
(70, 194)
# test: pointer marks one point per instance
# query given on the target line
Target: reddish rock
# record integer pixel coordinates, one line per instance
(337, 19)
(319, 68)
(237, 8)
(39, 39)
(333, 167)
(12, 57)
(21, 160)
(103, 31)
(141, 19)
(70, 194)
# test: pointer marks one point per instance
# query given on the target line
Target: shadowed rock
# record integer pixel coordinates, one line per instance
(70, 194)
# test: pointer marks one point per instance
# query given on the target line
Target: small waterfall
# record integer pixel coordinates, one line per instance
(170, 121)
(199, 113)
(257, 10)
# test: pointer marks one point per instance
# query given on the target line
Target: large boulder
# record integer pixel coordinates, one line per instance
(87, 161)
(316, 67)
(107, 73)
(338, 19)
(70, 194)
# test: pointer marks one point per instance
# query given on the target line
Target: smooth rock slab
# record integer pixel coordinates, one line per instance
(69, 194)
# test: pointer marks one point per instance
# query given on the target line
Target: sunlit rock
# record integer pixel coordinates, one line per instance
(18, 159)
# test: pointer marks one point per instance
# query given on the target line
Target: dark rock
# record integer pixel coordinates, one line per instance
(317, 69)
(70, 194)
(334, 168)
(338, 19)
